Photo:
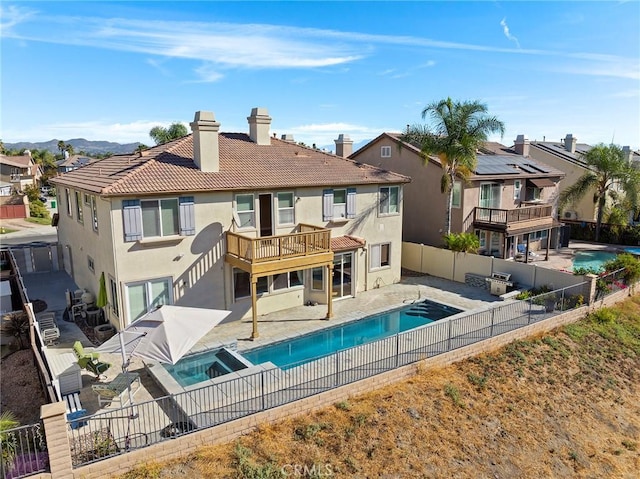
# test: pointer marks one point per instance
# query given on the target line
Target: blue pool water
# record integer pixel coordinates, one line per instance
(633, 250)
(297, 351)
(200, 367)
(591, 259)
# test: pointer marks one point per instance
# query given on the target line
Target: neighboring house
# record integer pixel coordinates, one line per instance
(20, 171)
(565, 155)
(509, 201)
(244, 222)
(70, 163)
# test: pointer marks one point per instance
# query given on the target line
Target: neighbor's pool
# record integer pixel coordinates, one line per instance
(591, 259)
(633, 250)
(307, 348)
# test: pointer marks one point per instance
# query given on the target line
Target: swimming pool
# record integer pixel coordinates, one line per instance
(591, 259)
(633, 250)
(206, 365)
(307, 348)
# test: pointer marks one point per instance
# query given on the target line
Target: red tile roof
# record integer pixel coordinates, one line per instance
(343, 243)
(244, 165)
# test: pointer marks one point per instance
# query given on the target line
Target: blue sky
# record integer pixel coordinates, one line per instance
(112, 70)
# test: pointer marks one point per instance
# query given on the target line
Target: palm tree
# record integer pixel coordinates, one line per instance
(608, 173)
(61, 146)
(458, 129)
(160, 135)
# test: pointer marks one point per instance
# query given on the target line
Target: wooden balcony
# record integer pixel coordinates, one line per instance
(309, 247)
(529, 217)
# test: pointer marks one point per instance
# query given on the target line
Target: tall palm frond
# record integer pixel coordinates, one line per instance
(456, 131)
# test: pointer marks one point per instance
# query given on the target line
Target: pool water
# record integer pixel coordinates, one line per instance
(307, 348)
(633, 250)
(200, 367)
(591, 259)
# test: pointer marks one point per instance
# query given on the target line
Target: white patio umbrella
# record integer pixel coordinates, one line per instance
(164, 334)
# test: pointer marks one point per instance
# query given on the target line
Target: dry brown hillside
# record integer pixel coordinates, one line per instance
(563, 405)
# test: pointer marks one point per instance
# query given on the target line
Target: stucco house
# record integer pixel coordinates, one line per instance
(244, 222)
(73, 162)
(510, 201)
(566, 155)
(19, 171)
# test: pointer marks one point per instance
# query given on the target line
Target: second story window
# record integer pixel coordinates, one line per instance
(245, 208)
(457, 195)
(94, 213)
(158, 217)
(338, 204)
(286, 214)
(517, 186)
(389, 200)
(79, 212)
(385, 151)
(67, 199)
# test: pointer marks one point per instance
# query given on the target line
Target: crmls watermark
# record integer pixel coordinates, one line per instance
(304, 470)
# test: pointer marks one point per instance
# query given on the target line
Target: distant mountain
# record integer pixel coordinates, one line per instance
(79, 144)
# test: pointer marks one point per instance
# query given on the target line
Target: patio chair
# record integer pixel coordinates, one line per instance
(48, 327)
(89, 361)
(113, 390)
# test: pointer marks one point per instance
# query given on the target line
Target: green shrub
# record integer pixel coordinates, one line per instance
(603, 316)
(629, 262)
(462, 242)
(37, 209)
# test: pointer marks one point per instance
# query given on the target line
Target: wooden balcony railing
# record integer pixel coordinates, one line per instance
(505, 217)
(310, 240)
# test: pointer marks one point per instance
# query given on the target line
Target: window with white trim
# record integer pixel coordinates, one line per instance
(456, 201)
(317, 279)
(338, 204)
(87, 199)
(242, 284)
(113, 289)
(245, 208)
(145, 296)
(158, 218)
(389, 200)
(94, 213)
(517, 187)
(79, 212)
(286, 215)
(288, 280)
(385, 152)
(67, 197)
(380, 256)
(91, 264)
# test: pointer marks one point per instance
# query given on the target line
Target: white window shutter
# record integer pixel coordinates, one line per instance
(187, 216)
(132, 218)
(327, 205)
(351, 203)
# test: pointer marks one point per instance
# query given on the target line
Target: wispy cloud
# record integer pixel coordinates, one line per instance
(219, 47)
(325, 133)
(507, 33)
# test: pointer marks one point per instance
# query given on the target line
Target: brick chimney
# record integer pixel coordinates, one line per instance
(206, 151)
(259, 122)
(522, 145)
(570, 143)
(344, 145)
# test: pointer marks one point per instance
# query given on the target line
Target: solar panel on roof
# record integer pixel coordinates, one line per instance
(495, 170)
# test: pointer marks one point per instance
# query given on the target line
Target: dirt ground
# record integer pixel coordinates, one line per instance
(557, 406)
(20, 389)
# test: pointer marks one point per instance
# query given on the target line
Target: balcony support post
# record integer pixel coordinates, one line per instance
(254, 306)
(330, 290)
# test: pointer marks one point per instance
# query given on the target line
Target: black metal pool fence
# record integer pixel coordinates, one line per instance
(138, 425)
